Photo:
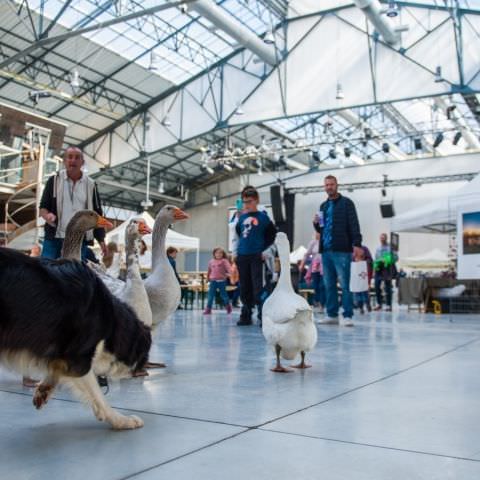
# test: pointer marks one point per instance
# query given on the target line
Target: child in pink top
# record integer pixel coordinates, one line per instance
(219, 269)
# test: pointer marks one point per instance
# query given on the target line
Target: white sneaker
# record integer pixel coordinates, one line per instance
(318, 309)
(329, 321)
(347, 322)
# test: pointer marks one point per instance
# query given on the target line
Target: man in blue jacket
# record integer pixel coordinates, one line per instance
(337, 223)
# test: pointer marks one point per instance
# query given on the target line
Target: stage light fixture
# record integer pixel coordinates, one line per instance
(75, 79)
(438, 140)
(457, 138)
(239, 110)
(340, 95)
(450, 110)
(269, 37)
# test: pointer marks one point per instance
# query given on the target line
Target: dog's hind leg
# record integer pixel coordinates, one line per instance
(87, 387)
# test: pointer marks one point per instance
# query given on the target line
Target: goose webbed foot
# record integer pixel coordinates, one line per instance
(302, 364)
(155, 365)
(278, 368)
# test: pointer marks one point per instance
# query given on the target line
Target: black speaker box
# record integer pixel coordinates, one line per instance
(289, 199)
(386, 209)
(276, 200)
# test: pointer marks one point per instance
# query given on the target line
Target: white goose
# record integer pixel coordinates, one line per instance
(162, 286)
(287, 318)
(132, 290)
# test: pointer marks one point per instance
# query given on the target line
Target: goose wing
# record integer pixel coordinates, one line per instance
(283, 309)
(115, 285)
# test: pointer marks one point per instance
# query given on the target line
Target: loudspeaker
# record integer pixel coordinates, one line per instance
(386, 209)
(289, 199)
(276, 201)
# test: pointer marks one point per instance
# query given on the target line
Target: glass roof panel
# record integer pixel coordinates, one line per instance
(193, 42)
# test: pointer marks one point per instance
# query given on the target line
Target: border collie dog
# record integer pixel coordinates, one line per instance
(59, 320)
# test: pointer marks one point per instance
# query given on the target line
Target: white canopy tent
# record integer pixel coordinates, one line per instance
(433, 259)
(439, 216)
(174, 239)
(298, 254)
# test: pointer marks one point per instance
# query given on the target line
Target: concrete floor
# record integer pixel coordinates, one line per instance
(396, 397)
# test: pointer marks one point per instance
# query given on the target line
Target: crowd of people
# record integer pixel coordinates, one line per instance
(251, 271)
(326, 265)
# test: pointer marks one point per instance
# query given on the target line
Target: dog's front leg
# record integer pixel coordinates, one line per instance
(87, 387)
(43, 391)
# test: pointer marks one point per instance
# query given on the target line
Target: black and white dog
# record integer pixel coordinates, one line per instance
(59, 320)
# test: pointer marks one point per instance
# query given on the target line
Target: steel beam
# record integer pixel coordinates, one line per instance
(128, 188)
(98, 26)
(154, 100)
(390, 183)
(55, 19)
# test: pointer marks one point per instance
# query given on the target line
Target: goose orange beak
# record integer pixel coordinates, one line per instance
(102, 222)
(179, 214)
(143, 228)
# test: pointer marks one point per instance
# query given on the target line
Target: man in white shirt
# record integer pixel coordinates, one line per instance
(67, 192)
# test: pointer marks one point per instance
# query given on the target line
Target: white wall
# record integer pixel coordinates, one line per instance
(210, 223)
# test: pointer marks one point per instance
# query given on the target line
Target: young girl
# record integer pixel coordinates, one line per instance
(234, 295)
(362, 299)
(218, 270)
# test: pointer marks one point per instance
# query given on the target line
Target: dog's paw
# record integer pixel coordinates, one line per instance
(42, 394)
(123, 422)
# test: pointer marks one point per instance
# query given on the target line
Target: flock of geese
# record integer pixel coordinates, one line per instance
(155, 299)
(288, 324)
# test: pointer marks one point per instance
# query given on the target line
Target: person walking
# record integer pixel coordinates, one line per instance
(385, 272)
(255, 232)
(339, 229)
(315, 272)
(219, 269)
(66, 193)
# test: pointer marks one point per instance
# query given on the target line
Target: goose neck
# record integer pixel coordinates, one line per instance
(131, 251)
(285, 279)
(159, 252)
(72, 245)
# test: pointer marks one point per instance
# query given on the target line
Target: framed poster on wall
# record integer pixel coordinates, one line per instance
(468, 237)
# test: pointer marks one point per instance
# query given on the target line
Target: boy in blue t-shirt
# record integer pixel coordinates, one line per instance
(256, 232)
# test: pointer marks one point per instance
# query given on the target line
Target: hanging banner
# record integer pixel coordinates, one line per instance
(468, 238)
